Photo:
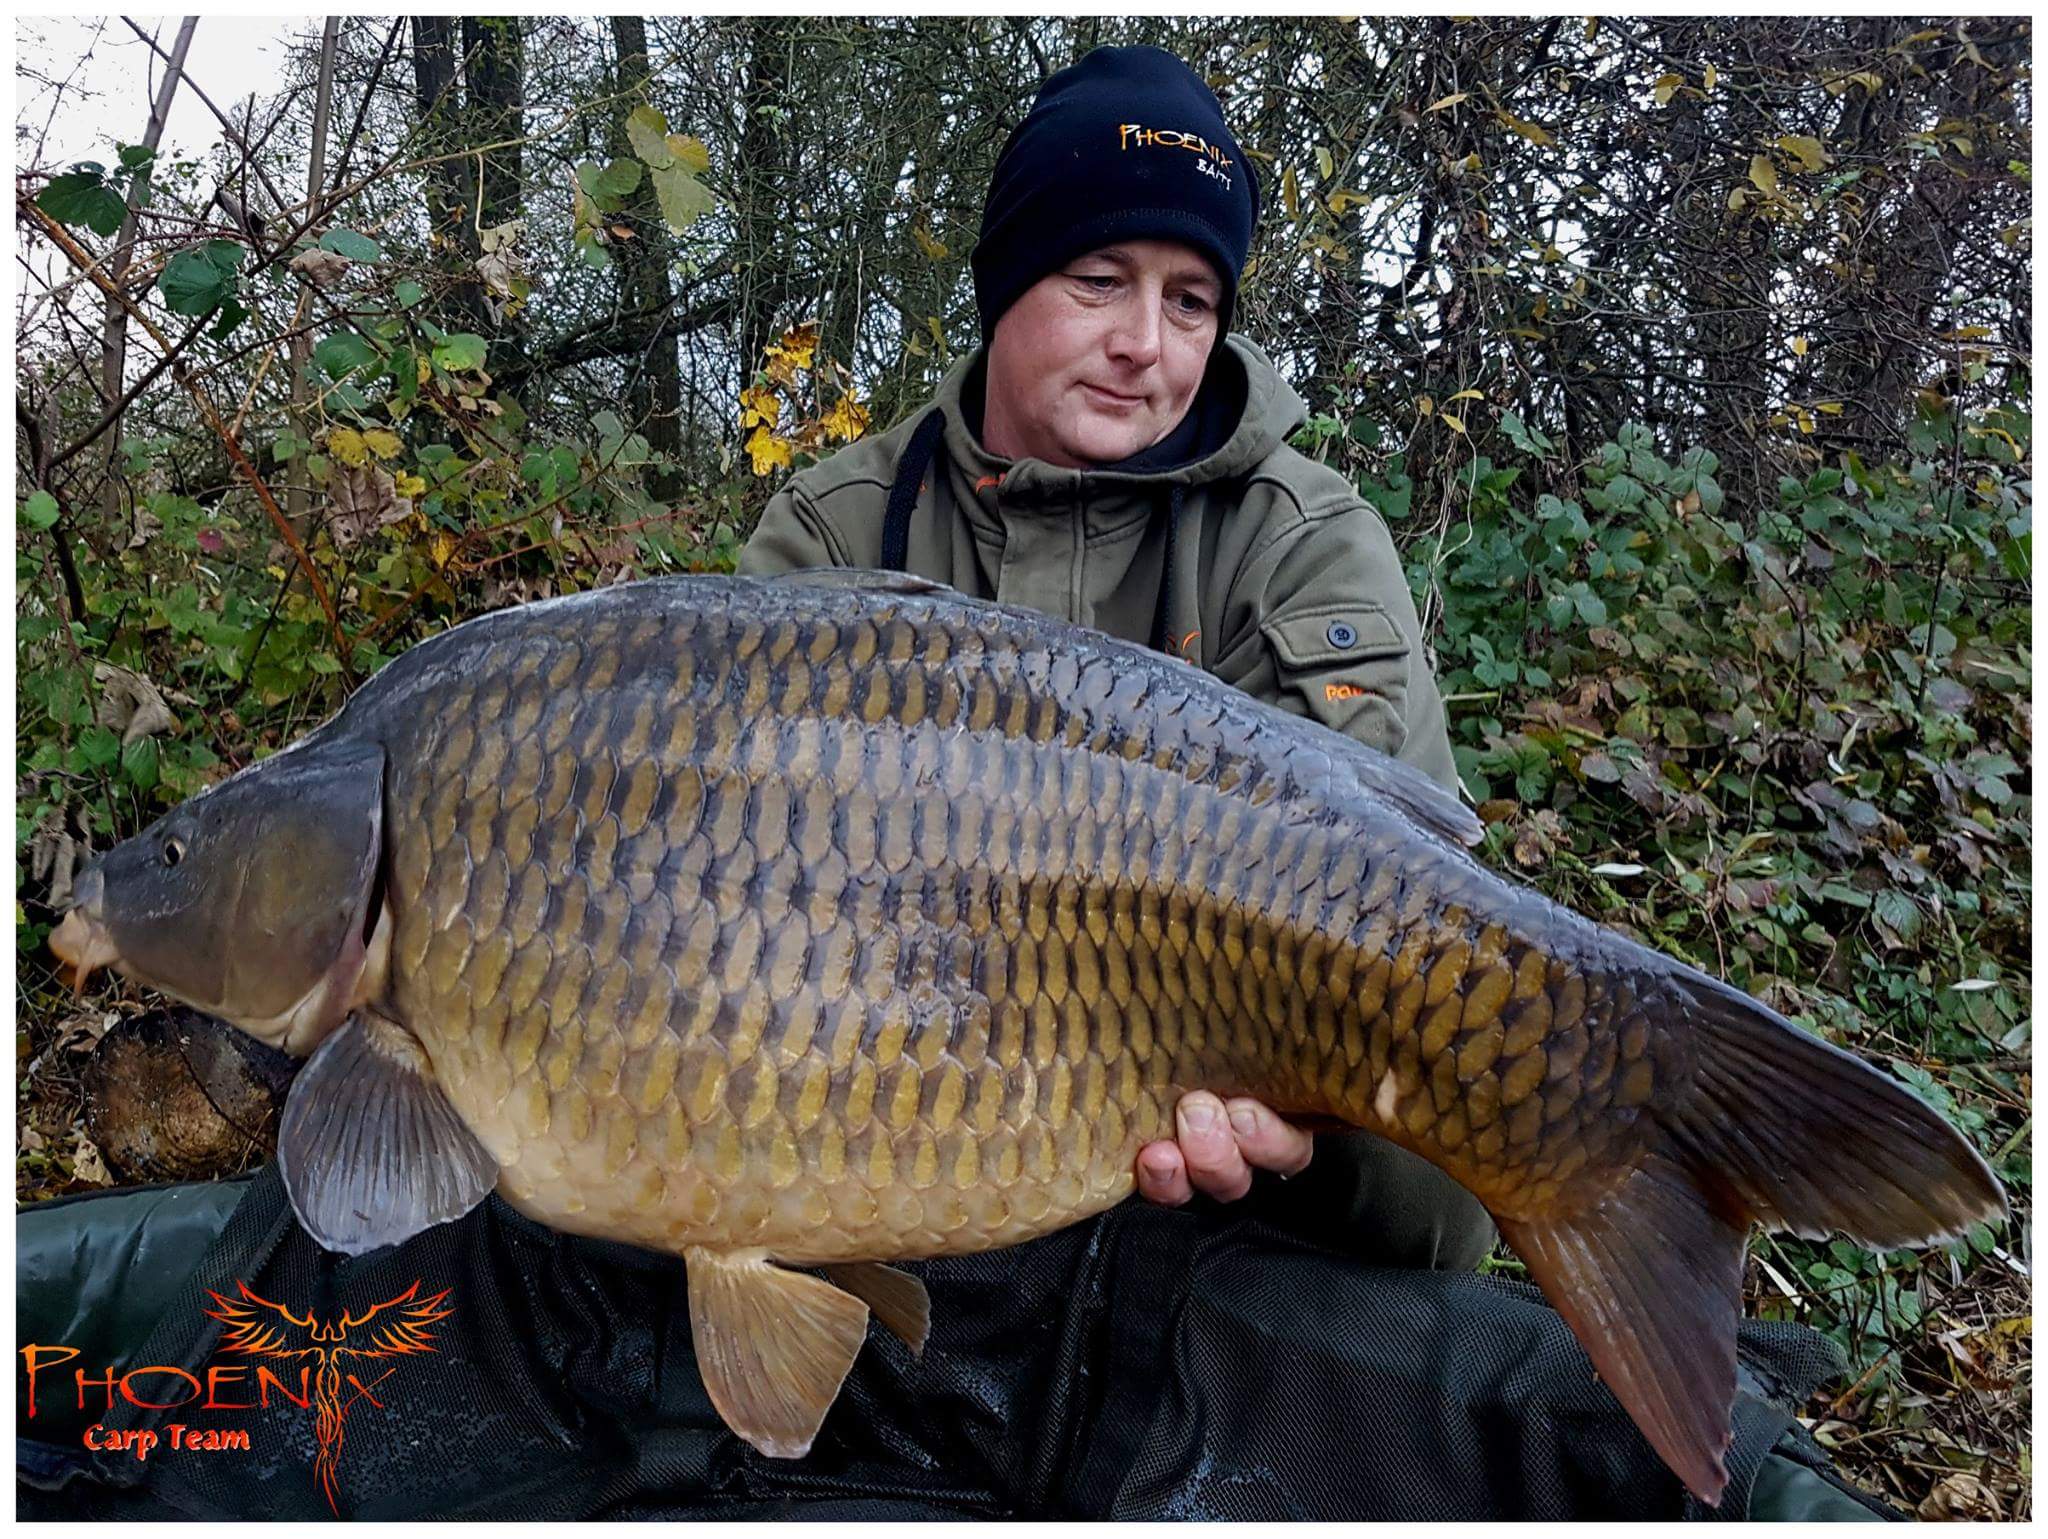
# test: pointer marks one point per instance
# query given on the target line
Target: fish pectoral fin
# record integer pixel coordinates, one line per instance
(370, 1149)
(773, 1346)
(899, 1300)
(1650, 1281)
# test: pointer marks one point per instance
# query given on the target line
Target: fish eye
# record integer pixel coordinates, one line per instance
(174, 850)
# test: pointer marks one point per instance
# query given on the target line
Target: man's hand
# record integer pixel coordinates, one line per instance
(1216, 1146)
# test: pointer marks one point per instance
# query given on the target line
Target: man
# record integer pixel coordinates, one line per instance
(1114, 457)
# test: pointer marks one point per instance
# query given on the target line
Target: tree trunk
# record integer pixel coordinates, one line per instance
(654, 383)
(298, 494)
(450, 182)
(114, 325)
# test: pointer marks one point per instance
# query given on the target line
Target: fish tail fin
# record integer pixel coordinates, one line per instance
(1778, 1127)
(1814, 1140)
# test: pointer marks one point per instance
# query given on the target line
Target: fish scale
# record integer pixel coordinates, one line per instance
(841, 920)
(656, 777)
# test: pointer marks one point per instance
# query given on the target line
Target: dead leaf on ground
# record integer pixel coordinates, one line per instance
(1961, 1497)
(147, 527)
(86, 1164)
(130, 704)
(53, 857)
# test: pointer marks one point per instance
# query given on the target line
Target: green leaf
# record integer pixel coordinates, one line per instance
(681, 196)
(98, 747)
(40, 509)
(83, 197)
(356, 247)
(619, 178)
(460, 350)
(193, 282)
(647, 132)
(137, 157)
(232, 314)
(409, 294)
(343, 353)
(138, 762)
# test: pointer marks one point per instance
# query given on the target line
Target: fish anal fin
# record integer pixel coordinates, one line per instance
(370, 1149)
(772, 1345)
(899, 1300)
(1650, 1281)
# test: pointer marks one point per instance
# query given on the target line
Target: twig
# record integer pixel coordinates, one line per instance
(62, 239)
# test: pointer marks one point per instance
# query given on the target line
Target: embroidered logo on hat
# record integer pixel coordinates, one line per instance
(1212, 163)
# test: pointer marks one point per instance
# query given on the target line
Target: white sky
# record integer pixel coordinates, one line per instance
(106, 97)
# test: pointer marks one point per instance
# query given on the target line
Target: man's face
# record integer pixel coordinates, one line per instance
(1102, 357)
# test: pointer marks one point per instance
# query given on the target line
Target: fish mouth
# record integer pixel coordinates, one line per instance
(82, 943)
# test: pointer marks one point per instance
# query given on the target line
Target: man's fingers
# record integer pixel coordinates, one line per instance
(1268, 1141)
(1209, 1145)
(1163, 1174)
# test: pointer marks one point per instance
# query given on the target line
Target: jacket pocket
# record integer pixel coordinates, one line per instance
(1332, 635)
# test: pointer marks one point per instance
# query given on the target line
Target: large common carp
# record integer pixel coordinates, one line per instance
(837, 919)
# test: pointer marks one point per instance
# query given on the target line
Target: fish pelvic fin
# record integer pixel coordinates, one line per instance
(898, 1299)
(1812, 1139)
(1650, 1281)
(773, 1346)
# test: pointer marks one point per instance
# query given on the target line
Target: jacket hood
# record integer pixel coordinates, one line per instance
(1271, 411)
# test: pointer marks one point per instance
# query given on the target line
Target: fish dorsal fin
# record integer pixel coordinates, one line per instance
(899, 1300)
(1418, 796)
(772, 1345)
(863, 579)
(370, 1150)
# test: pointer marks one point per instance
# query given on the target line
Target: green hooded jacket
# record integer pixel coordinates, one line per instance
(1283, 581)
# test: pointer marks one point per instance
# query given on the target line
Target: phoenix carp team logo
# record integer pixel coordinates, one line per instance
(399, 1327)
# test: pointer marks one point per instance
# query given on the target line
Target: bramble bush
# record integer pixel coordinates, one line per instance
(1790, 744)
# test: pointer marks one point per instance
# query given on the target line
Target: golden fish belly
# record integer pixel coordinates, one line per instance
(873, 947)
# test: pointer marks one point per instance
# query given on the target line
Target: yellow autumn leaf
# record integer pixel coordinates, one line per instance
(799, 345)
(1710, 77)
(935, 250)
(442, 548)
(1806, 149)
(1763, 174)
(1465, 395)
(383, 443)
(689, 152)
(1738, 199)
(847, 420)
(1325, 163)
(1799, 347)
(759, 407)
(1445, 101)
(768, 451)
(1454, 423)
(1530, 131)
(1290, 193)
(347, 445)
(1667, 87)
(406, 484)
(1828, 408)
(1552, 254)
(1424, 405)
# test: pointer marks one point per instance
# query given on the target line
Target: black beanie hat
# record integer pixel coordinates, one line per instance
(1128, 144)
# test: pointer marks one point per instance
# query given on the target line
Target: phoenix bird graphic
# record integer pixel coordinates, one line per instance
(398, 1327)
